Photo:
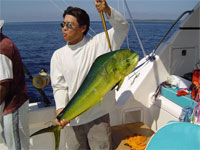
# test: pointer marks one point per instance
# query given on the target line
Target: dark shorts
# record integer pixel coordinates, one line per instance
(95, 135)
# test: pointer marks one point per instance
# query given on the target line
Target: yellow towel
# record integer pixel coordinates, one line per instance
(137, 142)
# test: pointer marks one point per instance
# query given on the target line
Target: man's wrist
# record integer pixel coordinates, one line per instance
(108, 11)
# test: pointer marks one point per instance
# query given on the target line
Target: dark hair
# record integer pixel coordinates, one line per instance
(81, 16)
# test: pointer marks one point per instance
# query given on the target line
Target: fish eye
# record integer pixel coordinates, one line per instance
(128, 62)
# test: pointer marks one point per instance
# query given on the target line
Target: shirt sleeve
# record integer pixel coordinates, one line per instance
(58, 83)
(119, 30)
(5, 68)
(117, 33)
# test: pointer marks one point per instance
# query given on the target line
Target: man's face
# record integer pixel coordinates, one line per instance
(72, 32)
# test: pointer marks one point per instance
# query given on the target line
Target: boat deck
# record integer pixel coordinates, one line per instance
(121, 132)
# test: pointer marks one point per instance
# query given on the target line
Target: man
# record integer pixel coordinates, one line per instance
(69, 67)
(13, 96)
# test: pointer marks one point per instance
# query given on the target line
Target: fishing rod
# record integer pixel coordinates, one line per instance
(105, 29)
(46, 100)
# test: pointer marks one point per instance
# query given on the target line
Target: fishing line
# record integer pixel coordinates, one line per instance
(92, 31)
(118, 4)
(65, 2)
(53, 2)
(127, 39)
(134, 28)
(56, 5)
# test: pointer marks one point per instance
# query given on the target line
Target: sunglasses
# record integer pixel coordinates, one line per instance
(69, 25)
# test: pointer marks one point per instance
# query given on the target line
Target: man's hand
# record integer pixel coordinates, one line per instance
(101, 5)
(63, 122)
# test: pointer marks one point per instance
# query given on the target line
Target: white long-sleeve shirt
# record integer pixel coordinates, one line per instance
(71, 63)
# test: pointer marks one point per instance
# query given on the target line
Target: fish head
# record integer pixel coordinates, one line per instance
(128, 61)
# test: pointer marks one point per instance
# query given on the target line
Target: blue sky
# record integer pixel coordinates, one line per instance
(51, 10)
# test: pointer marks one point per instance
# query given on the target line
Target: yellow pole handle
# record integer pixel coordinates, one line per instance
(105, 29)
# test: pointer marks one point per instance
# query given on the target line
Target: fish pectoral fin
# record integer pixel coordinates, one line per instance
(115, 85)
(55, 129)
(120, 84)
(100, 101)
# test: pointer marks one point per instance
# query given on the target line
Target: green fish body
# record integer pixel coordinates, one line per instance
(107, 71)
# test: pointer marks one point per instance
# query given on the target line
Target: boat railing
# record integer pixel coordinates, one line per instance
(172, 26)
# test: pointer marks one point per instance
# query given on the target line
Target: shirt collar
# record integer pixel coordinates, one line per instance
(78, 45)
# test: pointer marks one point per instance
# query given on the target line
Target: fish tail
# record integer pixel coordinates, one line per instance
(55, 129)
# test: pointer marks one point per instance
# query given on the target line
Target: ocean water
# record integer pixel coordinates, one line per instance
(37, 41)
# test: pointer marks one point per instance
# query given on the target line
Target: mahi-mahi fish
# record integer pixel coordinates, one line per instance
(107, 72)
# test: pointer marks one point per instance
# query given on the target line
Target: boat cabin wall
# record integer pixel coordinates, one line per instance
(178, 56)
(181, 53)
